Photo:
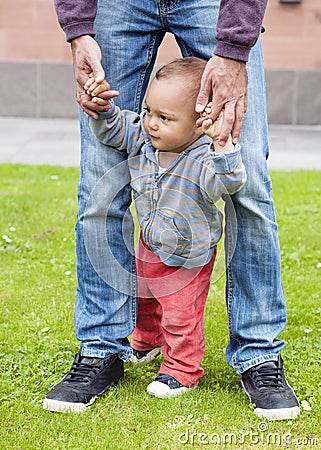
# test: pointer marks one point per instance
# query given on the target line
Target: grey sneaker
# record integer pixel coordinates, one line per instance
(87, 378)
(268, 390)
(140, 357)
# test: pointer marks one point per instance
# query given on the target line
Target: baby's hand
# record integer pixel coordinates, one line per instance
(204, 116)
(93, 88)
(213, 129)
(100, 92)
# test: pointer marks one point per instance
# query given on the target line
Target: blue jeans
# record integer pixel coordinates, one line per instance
(129, 34)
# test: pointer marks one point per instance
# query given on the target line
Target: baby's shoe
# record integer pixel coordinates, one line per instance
(165, 386)
(140, 357)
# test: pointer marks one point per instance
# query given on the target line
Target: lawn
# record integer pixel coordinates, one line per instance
(37, 285)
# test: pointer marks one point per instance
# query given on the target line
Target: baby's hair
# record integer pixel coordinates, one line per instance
(189, 69)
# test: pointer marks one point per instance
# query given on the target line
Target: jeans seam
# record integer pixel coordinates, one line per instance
(134, 291)
(186, 51)
(229, 289)
(137, 107)
(143, 74)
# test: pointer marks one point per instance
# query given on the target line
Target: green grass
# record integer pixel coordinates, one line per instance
(37, 343)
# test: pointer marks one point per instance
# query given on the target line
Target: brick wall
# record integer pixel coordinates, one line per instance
(293, 35)
(33, 51)
(29, 31)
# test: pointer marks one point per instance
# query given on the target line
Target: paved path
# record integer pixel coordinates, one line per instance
(56, 142)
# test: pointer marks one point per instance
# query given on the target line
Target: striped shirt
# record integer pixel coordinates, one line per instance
(175, 207)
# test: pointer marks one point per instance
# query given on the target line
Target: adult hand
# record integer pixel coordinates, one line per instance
(224, 83)
(87, 60)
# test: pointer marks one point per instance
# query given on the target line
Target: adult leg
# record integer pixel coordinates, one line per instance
(255, 300)
(105, 306)
(129, 49)
(256, 305)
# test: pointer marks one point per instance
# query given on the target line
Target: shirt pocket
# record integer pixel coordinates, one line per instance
(165, 234)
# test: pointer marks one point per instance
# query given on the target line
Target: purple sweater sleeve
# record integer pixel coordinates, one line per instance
(238, 26)
(76, 17)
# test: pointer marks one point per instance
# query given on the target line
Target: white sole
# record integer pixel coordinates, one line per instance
(161, 390)
(65, 407)
(278, 414)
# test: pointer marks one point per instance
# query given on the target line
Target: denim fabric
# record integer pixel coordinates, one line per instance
(129, 34)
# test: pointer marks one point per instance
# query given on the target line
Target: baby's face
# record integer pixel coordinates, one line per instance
(170, 119)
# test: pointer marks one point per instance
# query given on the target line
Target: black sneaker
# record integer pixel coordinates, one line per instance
(87, 378)
(140, 357)
(268, 390)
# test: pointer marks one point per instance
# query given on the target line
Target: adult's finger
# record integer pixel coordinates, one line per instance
(86, 59)
(240, 110)
(82, 98)
(205, 92)
(227, 122)
(88, 106)
(95, 106)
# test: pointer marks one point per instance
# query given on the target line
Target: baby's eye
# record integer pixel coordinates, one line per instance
(164, 118)
(146, 109)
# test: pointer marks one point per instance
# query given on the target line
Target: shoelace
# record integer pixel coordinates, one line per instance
(267, 376)
(81, 370)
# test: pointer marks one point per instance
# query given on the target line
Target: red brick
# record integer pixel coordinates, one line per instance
(29, 30)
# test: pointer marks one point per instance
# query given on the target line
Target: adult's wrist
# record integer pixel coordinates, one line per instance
(232, 51)
(78, 40)
(77, 30)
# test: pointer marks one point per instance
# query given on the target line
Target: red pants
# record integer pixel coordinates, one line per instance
(171, 313)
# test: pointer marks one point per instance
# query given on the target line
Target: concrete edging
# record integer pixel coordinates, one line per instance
(45, 90)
